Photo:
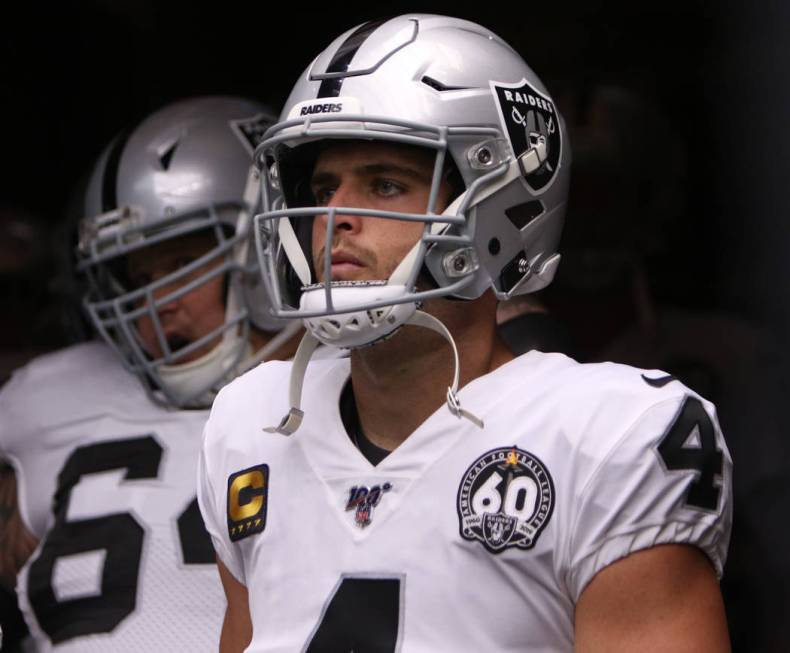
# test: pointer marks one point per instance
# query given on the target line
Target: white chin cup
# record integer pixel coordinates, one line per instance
(196, 383)
(356, 328)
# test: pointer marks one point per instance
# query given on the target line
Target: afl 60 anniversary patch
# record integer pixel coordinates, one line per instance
(531, 123)
(505, 500)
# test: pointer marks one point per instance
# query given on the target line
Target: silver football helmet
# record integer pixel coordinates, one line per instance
(185, 170)
(460, 91)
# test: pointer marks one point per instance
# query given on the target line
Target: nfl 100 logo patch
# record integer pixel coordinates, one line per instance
(363, 499)
(505, 499)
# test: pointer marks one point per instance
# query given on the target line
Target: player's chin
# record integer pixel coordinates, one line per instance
(152, 351)
(180, 357)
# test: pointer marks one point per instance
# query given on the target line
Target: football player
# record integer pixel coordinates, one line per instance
(105, 465)
(434, 492)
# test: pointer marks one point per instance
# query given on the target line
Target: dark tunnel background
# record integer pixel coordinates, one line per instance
(677, 112)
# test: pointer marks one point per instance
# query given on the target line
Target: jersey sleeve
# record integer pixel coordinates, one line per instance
(212, 500)
(668, 479)
(19, 434)
(12, 426)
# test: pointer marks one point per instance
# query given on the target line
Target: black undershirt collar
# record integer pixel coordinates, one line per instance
(350, 417)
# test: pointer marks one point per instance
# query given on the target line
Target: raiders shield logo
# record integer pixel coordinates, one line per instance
(251, 130)
(498, 529)
(505, 500)
(531, 123)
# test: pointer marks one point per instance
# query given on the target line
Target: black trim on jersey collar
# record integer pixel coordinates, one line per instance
(350, 417)
(109, 186)
(345, 53)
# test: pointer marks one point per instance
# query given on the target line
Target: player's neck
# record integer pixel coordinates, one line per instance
(399, 383)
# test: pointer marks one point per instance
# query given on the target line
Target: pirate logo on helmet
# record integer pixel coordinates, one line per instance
(530, 121)
(251, 130)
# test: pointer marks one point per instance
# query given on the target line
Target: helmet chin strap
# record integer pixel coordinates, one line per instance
(194, 383)
(291, 422)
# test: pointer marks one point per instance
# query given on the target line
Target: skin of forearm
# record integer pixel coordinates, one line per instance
(16, 542)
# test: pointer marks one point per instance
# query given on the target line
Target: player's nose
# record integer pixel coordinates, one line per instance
(345, 196)
(165, 293)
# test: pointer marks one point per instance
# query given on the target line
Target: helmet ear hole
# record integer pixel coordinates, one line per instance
(521, 215)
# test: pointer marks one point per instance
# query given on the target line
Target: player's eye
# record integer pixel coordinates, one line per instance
(388, 187)
(322, 195)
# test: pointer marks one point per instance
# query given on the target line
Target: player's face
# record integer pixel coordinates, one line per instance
(189, 317)
(379, 176)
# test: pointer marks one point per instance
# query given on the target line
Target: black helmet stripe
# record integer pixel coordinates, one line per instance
(345, 53)
(109, 185)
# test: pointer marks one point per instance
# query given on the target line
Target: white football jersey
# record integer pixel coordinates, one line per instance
(462, 539)
(107, 483)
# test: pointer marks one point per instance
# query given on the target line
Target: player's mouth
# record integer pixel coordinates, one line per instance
(346, 266)
(176, 341)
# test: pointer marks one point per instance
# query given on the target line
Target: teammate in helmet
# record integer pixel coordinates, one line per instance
(174, 285)
(533, 503)
(106, 465)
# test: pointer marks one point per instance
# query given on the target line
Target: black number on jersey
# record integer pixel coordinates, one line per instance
(705, 458)
(120, 535)
(362, 616)
(196, 546)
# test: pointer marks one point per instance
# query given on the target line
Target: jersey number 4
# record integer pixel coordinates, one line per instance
(362, 615)
(119, 535)
(702, 457)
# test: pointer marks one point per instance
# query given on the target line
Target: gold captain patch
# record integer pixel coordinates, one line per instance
(247, 501)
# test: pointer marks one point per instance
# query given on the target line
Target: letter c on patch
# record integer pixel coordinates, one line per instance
(253, 501)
